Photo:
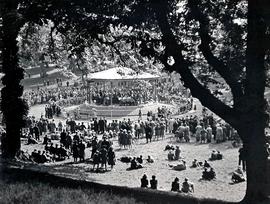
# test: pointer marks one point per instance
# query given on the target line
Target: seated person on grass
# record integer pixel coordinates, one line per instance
(144, 181)
(168, 147)
(179, 167)
(170, 156)
(150, 159)
(187, 187)
(134, 165)
(153, 183)
(195, 163)
(140, 159)
(125, 159)
(208, 174)
(31, 140)
(238, 176)
(206, 164)
(216, 155)
(175, 185)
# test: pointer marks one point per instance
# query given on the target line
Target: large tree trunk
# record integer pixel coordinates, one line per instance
(254, 118)
(13, 107)
(257, 170)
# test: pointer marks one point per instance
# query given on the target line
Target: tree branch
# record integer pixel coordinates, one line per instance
(182, 67)
(112, 44)
(214, 62)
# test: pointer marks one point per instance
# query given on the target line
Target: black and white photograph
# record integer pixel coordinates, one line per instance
(134, 102)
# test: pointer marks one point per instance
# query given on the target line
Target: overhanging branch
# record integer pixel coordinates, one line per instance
(182, 67)
(213, 61)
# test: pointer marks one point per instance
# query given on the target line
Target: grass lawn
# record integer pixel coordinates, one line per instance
(36, 192)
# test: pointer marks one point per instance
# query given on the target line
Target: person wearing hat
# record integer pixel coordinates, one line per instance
(144, 181)
(175, 185)
(187, 187)
(153, 183)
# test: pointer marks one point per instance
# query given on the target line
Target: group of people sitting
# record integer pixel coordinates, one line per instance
(40, 158)
(36, 156)
(216, 155)
(145, 182)
(173, 156)
(66, 95)
(187, 187)
(136, 162)
(208, 173)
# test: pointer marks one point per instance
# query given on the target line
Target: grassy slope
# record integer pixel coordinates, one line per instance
(20, 185)
(35, 192)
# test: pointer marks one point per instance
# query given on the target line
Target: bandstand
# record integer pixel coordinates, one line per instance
(121, 78)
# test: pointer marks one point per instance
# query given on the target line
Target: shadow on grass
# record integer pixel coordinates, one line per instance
(15, 175)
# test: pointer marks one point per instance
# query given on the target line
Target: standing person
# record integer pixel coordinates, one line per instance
(104, 155)
(36, 132)
(198, 132)
(94, 145)
(101, 126)
(208, 134)
(75, 151)
(96, 125)
(170, 125)
(63, 137)
(140, 114)
(96, 160)
(68, 141)
(53, 126)
(219, 134)
(186, 133)
(60, 126)
(242, 158)
(162, 128)
(148, 132)
(81, 147)
(72, 125)
(137, 130)
(203, 135)
(153, 183)
(111, 157)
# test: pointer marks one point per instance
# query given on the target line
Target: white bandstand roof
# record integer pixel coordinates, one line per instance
(121, 73)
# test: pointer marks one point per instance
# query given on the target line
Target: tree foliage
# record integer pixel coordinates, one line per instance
(228, 39)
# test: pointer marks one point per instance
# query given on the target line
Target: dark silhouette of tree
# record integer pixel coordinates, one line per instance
(12, 105)
(204, 34)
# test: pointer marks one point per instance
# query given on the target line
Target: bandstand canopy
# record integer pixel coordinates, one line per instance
(121, 73)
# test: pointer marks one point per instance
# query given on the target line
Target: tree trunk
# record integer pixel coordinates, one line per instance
(257, 170)
(12, 105)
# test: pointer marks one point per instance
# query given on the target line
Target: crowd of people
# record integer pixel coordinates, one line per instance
(205, 129)
(62, 96)
(62, 140)
(67, 95)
